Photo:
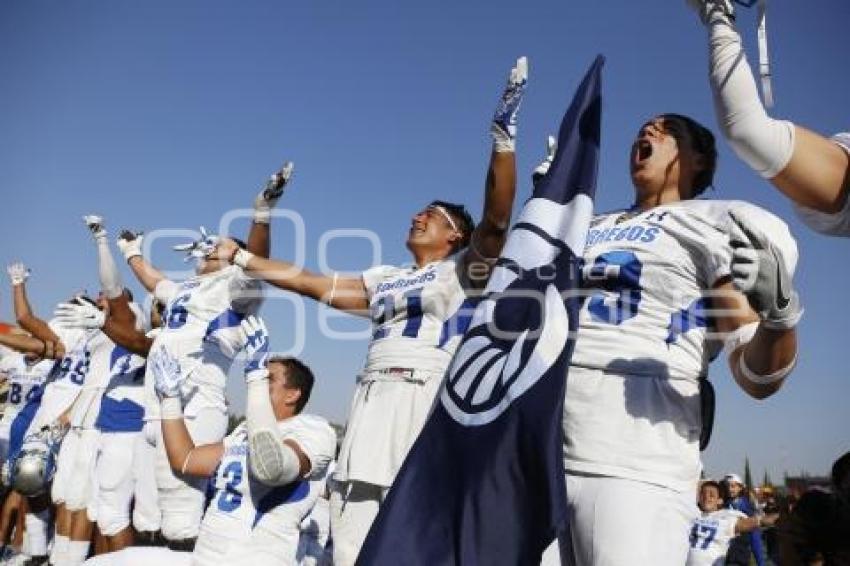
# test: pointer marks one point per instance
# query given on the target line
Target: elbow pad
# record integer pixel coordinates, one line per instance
(271, 461)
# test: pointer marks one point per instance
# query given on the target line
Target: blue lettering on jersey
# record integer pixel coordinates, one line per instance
(383, 308)
(231, 498)
(74, 366)
(176, 314)
(457, 324)
(617, 273)
(703, 532)
(426, 277)
(633, 233)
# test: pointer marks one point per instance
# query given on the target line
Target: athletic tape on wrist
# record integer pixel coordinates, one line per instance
(768, 379)
(242, 257)
(171, 408)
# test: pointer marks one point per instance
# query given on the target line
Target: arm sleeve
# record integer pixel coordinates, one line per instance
(165, 291)
(270, 460)
(764, 143)
(110, 279)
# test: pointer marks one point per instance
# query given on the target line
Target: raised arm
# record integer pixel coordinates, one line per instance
(183, 456)
(500, 187)
(130, 244)
(259, 240)
(120, 329)
(18, 274)
(272, 461)
(344, 293)
(808, 168)
(30, 345)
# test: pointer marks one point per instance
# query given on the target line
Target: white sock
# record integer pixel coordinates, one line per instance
(35, 533)
(60, 549)
(78, 550)
(765, 144)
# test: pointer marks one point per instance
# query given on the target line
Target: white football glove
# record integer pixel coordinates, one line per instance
(18, 273)
(503, 129)
(166, 373)
(268, 197)
(758, 271)
(254, 338)
(130, 243)
(541, 170)
(79, 314)
(95, 225)
(200, 248)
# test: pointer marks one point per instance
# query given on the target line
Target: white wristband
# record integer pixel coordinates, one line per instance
(768, 379)
(171, 408)
(242, 257)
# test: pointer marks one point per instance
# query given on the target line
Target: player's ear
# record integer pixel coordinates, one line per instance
(292, 396)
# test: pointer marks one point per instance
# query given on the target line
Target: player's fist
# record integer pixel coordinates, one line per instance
(95, 225)
(503, 129)
(79, 314)
(707, 8)
(268, 197)
(254, 339)
(130, 244)
(228, 250)
(166, 371)
(759, 270)
(541, 170)
(18, 273)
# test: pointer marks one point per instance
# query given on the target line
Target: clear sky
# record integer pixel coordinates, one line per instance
(167, 115)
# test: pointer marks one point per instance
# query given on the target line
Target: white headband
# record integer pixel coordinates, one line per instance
(448, 216)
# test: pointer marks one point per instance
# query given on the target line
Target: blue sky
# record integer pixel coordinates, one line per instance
(160, 114)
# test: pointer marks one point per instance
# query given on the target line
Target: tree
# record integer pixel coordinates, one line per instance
(765, 482)
(748, 476)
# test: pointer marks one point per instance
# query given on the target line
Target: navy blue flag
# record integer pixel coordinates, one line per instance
(484, 482)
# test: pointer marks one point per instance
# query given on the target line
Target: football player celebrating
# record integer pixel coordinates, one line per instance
(200, 317)
(419, 314)
(714, 529)
(661, 302)
(26, 375)
(267, 472)
(78, 348)
(122, 464)
(814, 172)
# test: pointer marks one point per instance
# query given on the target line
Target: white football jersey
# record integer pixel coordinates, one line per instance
(644, 340)
(87, 405)
(418, 314)
(644, 276)
(151, 400)
(25, 382)
(837, 224)
(710, 537)
(68, 375)
(200, 327)
(246, 519)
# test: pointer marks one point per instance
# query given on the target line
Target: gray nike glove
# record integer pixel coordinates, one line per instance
(758, 271)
